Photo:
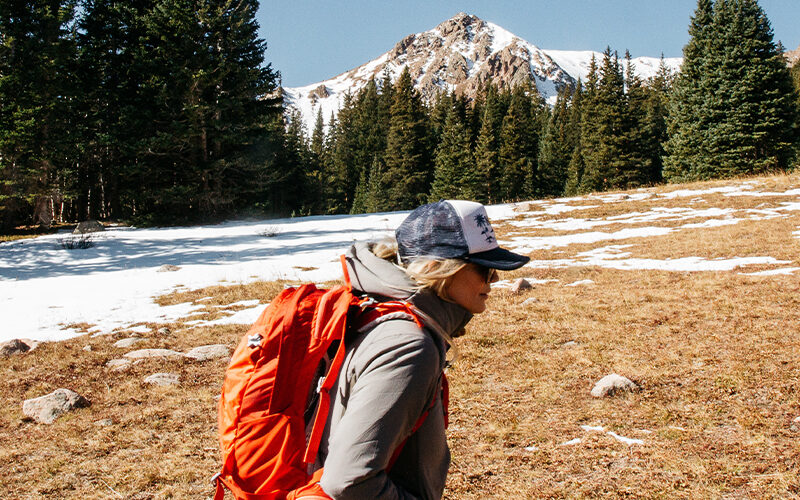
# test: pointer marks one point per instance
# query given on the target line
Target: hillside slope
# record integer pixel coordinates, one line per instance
(690, 291)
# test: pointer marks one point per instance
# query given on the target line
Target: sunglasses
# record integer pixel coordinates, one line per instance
(487, 274)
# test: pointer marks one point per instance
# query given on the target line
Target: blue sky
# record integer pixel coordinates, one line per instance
(313, 40)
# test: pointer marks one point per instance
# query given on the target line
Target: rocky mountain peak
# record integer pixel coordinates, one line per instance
(459, 55)
(792, 56)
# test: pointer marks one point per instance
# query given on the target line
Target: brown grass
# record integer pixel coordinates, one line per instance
(715, 355)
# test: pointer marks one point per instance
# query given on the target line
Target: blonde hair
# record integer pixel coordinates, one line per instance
(428, 272)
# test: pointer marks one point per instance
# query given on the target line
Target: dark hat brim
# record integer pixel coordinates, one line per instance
(498, 258)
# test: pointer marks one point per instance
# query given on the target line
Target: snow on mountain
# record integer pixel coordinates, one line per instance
(461, 54)
(576, 63)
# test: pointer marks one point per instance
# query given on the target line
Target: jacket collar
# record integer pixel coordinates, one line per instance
(386, 281)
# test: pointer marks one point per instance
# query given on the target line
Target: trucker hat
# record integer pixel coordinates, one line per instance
(454, 229)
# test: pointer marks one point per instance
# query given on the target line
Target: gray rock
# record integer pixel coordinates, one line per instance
(88, 226)
(153, 353)
(46, 409)
(167, 268)
(162, 379)
(795, 425)
(106, 422)
(129, 342)
(206, 352)
(11, 347)
(87, 348)
(611, 384)
(521, 285)
(523, 207)
(163, 331)
(118, 365)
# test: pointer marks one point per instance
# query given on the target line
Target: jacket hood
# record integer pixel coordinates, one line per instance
(385, 281)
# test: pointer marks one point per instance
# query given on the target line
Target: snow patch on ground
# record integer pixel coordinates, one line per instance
(612, 257)
(624, 439)
(45, 288)
(775, 272)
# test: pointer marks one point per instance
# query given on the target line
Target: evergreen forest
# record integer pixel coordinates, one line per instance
(167, 112)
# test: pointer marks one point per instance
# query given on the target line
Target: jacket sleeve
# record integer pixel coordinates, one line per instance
(391, 379)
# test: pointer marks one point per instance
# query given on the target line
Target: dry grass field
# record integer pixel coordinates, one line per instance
(715, 353)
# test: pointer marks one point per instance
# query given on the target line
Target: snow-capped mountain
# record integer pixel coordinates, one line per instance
(460, 54)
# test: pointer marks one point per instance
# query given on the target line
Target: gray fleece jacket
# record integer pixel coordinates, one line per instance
(388, 379)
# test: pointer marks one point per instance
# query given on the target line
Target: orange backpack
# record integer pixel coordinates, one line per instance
(268, 400)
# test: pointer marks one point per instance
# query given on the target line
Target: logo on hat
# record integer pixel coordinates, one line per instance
(486, 229)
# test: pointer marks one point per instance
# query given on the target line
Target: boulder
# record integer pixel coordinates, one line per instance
(520, 286)
(611, 384)
(162, 379)
(129, 342)
(523, 207)
(88, 226)
(153, 353)
(206, 352)
(46, 409)
(15, 346)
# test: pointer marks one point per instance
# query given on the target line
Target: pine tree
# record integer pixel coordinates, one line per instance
(369, 196)
(488, 144)
(36, 53)
(732, 110)
(519, 137)
(212, 96)
(655, 124)
(602, 118)
(486, 161)
(407, 177)
(454, 173)
(116, 116)
(370, 131)
(687, 123)
(314, 175)
(573, 135)
(635, 142)
(343, 151)
(556, 146)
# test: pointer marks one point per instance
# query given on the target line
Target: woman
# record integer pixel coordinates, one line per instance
(443, 263)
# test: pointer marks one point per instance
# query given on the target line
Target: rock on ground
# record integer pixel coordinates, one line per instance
(206, 352)
(162, 379)
(153, 353)
(167, 268)
(611, 384)
(129, 342)
(118, 364)
(88, 226)
(46, 409)
(521, 285)
(16, 346)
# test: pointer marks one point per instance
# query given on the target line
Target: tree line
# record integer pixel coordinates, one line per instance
(165, 111)
(387, 150)
(147, 110)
